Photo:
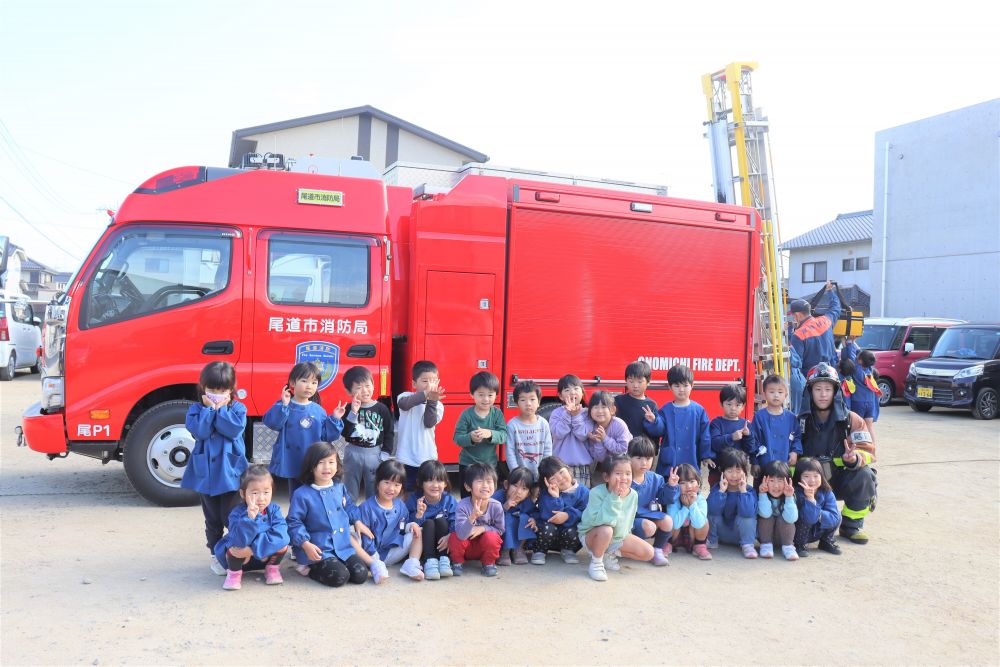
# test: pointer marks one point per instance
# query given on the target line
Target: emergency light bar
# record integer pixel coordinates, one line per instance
(275, 161)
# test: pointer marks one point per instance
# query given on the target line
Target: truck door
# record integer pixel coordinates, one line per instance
(317, 297)
(459, 323)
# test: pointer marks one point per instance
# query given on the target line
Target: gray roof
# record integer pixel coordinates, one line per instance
(389, 119)
(846, 228)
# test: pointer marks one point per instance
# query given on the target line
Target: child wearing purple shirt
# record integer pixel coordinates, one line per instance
(479, 522)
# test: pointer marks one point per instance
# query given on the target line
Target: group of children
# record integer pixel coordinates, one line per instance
(547, 502)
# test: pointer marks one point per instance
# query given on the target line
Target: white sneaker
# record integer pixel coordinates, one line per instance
(379, 571)
(611, 562)
(596, 570)
(217, 567)
(569, 557)
(411, 568)
(538, 558)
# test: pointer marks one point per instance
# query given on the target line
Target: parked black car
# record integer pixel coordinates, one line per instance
(962, 372)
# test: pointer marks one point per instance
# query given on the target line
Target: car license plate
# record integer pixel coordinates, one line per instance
(925, 392)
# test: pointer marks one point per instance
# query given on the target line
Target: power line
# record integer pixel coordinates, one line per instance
(77, 167)
(43, 234)
(26, 169)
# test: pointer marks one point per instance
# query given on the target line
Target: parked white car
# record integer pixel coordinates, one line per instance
(20, 338)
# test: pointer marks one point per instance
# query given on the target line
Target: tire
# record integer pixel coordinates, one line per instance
(546, 409)
(7, 372)
(157, 449)
(887, 389)
(987, 404)
(37, 368)
(920, 407)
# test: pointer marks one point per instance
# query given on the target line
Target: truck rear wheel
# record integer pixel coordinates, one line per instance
(157, 450)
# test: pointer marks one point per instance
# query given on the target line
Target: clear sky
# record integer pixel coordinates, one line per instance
(97, 96)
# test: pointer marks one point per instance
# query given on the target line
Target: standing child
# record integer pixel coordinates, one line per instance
(777, 511)
(864, 401)
(819, 515)
(432, 507)
(655, 495)
(528, 436)
(568, 423)
(732, 504)
(300, 421)
(683, 425)
(258, 535)
(369, 432)
(607, 521)
(479, 522)
(689, 513)
(395, 537)
(608, 434)
(629, 406)
(480, 429)
(219, 455)
(560, 505)
(730, 429)
(520, 514)
(420, 411)
(775, 430)
(847, 368)
(320, 519)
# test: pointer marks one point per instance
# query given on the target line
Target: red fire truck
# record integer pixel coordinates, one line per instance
(527, 279)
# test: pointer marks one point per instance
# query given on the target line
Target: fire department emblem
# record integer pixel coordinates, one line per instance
(323, 354)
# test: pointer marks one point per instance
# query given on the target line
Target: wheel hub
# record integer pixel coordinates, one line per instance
(168, 454)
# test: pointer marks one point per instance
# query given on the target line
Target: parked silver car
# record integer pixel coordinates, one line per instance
(20, 338)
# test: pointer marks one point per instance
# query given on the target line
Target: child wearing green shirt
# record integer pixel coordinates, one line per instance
(480, 428)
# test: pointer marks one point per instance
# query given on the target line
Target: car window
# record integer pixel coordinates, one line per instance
(21, 312)
(150, 270)
(315, 270)
(922, 338)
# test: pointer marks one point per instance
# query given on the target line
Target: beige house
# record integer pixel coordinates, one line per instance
(373, 134)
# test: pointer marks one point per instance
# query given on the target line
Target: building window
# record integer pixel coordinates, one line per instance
(862, 264)
(848, 265)
(814, 272)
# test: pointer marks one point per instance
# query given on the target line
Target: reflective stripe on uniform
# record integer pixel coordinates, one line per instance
(855, 514)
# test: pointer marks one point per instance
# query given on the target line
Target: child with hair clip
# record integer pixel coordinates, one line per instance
(432, 507)
(732, 504)
(479, 522)
(776, 431)
(819, 515)
(689, 512)
(777, 511)
(655, 495)
(730, 429)
(520, 514)
(320, 519)
(607, 520)
(570, 431)
(608, 434)
(395, 537)
(300, 421)
(561, 502)
(218, 458)
(258, 535)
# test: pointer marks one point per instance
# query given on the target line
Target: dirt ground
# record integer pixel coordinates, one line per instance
(92, 574)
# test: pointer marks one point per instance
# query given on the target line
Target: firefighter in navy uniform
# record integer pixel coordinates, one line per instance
(840, 440)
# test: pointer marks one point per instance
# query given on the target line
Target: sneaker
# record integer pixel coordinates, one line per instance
(701, 551)
(538, 558)
(431, 572)
(520, 558)
(291, 554)
(767, 550)
(611, 562)
(489, 570)
(411, 568)
(504, 559)
(302, 569)
(596, 570)
(233, 579)
(830, 546)
(272, 575)
(858, 537)
(669, 549)
(379, 571)
(660, 558)
(802, 552)
(447, 569)
(788, 551)
(217, 567)
(569, 557)
(456, 569)
(712, 545)
(748, 551)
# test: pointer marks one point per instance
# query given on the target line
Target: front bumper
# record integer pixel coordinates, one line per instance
(44, 433)
(945, 392)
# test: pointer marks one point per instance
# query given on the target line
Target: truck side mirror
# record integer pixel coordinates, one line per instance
(907, 348)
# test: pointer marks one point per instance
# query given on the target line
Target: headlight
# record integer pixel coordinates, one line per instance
(911, 373)
(53, 396)
(970, 372)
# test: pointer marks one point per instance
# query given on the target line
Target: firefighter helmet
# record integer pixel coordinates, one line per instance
(823, 372)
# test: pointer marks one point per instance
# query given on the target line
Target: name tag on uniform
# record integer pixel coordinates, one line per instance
(655, 506)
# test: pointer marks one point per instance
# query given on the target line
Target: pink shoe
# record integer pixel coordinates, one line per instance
(272, 575)
(748, 551)
(701, 551)
(233, 580)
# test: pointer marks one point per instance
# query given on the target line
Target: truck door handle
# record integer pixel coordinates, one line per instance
(218, 347)
(361, 351)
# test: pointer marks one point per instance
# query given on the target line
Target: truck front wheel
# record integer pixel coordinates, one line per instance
(157, 450)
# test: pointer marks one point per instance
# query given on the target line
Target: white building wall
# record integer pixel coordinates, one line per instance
(336, 138)
(417, 149)
(941, 216)
(833, 255)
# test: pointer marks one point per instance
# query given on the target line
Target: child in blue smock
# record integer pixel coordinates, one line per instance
(300, 421)
(689, 512)
(732, 504)
(320, 519)
(776, 432)
(655, 496)
(819, 515)
(682, 424)
(218, 459)
(777, 511)
(864, 401)
(561, 503)
(432, 507)
(394, 536)
(730, 429)
(520, 515)
(258, 534)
